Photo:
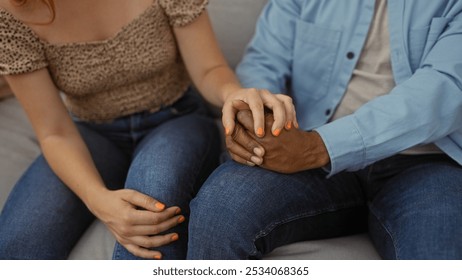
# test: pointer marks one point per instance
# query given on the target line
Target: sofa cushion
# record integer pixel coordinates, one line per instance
(234, 25)
(18, 146)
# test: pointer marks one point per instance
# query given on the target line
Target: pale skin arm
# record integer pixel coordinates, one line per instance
(70, 159)
(218, 84)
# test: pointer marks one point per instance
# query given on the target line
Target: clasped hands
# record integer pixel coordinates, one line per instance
(253, 137)
(289, 151)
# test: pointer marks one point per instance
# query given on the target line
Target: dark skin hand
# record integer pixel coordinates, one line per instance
(293, 150)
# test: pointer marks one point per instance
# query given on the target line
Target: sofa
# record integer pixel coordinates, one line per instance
(233, 22)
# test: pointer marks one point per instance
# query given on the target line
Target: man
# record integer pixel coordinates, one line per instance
(378, 90)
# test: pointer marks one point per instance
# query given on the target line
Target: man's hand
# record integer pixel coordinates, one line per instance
(292, 151)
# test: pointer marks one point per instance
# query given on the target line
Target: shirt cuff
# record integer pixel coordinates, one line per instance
(344, 144)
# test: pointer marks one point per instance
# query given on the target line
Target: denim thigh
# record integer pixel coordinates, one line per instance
(170, 163)
(43, 218)
(244, 212)
(416, 207)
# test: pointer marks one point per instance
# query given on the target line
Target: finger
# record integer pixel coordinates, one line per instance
(229, 111)
(242, 155)
(154, 241)
(143, 252)
(289, 110)
(159, 228)
(245, 118)
(144, 201)
(256, 106)
(279, 111)
(143, 217)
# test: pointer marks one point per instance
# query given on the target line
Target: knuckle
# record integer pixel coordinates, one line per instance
(126, 217)
(156, 219)
(147, 200)
(146, 243)
(229, 142)
(236, 132)
(124, 231)
(156, 230)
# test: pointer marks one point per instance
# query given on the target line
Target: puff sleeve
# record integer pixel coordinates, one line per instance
(21, 51)
(182, 12)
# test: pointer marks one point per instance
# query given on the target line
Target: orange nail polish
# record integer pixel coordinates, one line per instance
(260, 131)
(276, 132)
(157, 257)
(174, 237)
(177, 211)
(288, 125)
(160, 206)
(227, 131)
(181, 219)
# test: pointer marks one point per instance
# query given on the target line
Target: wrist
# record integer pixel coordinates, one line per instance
(227, 90)
(316, 153)
(95, 197)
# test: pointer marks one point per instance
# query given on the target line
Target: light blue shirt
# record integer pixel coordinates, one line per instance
(309, 48)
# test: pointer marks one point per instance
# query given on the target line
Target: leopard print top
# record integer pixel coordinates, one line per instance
(138, 69)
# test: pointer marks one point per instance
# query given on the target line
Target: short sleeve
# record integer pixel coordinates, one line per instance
(183, 12)
(21, 51)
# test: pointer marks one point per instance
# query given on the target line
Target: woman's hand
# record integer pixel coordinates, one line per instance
(256, 100)
(137, 220)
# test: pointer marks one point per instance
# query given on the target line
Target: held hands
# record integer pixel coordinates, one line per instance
(256, 100)
(137, 220)
(292, 151)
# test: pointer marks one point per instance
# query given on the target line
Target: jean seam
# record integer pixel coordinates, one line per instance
(382, 224)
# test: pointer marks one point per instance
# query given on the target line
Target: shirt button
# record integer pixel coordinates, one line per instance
(327, 112)
(350, 55)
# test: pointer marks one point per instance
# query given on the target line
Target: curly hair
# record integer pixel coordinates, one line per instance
(49, 3)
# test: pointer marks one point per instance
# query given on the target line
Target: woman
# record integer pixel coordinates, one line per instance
(135, 147)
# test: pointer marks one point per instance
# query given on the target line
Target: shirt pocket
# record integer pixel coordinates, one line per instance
(315, 50)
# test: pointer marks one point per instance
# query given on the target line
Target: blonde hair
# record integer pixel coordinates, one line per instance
(49, 3)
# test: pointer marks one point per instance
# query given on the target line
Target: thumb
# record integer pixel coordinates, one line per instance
(245, 118)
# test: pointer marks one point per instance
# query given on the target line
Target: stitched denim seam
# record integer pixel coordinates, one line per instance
(382, 224)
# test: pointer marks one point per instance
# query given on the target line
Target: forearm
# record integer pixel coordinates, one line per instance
(217, 83)
(71, 161)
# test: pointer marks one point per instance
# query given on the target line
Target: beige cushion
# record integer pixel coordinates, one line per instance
(18, 147)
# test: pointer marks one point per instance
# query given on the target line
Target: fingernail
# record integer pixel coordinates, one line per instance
(181, 219)
(296, 125)
(160, 206)
(256, 160)
(260, 131)
(227, 130)
(177, 211)
(258, 152)
(174, 237)
(276, 132)
(289, 125)
(250, 163)
(157, 257)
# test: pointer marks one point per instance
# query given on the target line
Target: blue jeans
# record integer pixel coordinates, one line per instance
(167, 155)
(411, 205)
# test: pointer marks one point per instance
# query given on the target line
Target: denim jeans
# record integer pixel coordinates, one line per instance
(411, 205)
(167, 155)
